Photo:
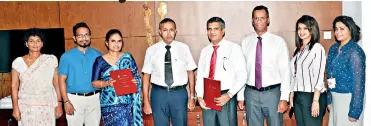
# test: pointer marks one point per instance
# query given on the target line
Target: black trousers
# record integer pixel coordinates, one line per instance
(303, 109)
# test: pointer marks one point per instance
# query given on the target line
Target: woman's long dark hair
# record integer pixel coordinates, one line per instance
(313, 28)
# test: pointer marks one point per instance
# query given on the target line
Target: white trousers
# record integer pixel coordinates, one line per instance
(87, 110)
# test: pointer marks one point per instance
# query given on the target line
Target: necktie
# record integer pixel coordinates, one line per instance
(258, 64)
(213, 62)
(168, 68)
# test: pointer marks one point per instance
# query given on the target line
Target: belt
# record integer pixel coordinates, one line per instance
(86, 94)
(175, 88)
(264, 88)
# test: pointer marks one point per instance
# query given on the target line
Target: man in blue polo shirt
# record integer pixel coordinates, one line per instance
(80, 98)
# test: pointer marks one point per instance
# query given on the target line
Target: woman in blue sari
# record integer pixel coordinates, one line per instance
(116, 110)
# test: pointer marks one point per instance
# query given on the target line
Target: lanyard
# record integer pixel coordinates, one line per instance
(332, 65)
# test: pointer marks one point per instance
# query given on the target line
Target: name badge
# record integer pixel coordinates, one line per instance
(331, 82)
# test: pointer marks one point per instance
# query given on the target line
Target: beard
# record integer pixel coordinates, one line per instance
(82, 44)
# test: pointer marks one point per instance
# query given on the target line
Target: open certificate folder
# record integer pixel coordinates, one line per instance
(211, 91)
(123, 84)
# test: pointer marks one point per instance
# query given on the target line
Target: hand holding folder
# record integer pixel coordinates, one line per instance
(212, 90)
(123, 84)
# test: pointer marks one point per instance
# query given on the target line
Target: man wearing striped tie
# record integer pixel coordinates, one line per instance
(168, 66)
(221, 60)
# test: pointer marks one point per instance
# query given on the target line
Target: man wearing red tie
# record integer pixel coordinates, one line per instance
(267, 63)
(221, 60)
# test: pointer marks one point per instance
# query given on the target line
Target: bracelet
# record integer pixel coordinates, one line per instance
(101, 84)
(315, 100)
(67, 101)
(194, 97)
(61, 101)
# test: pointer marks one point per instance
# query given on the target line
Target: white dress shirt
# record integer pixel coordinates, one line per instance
(275, 61)
(229, 69)
(181, 61)
(310, 69)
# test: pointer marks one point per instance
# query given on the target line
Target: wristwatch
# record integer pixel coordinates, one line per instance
(194, 97)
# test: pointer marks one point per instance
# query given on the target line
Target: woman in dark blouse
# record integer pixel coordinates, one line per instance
(346, 74)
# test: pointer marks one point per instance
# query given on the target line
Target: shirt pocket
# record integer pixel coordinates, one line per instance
(157, 62)
(180, 64)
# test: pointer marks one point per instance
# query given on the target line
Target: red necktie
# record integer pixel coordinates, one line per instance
(213, 62)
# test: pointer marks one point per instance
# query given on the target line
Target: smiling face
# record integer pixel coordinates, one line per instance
(260, 20)
(115, 43)
(34, 44)
(215, 32)
(82, 37)
(303, 32)
(342, 32)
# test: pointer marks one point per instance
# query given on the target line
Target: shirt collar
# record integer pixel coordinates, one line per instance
(87, 50)
(346, 46)
(164, 44)
(265, 35)
(221, 43)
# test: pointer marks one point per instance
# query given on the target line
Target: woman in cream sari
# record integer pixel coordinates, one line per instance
(35, 91)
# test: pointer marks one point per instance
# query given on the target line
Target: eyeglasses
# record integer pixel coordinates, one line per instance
(83, 35)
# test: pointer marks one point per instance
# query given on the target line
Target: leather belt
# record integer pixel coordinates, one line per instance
(264, 88)
(86, 94)
(175, 88)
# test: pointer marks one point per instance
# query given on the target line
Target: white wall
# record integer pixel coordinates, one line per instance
(354, 10)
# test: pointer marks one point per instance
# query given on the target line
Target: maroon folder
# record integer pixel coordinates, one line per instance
(212, 91)
(123, 84)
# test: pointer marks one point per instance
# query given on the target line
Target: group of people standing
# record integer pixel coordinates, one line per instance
(256, 76)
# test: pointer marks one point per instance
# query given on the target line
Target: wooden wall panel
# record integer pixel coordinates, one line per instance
(100, 16)
(103, 16)
(23, 15)
(191, 26)
(137, 47)
(190, 17)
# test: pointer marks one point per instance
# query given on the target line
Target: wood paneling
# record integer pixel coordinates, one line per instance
(103, 16)
(190, 17)
(191, 26)
(23, 15)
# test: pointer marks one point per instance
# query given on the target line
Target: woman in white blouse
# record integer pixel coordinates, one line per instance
(308, 65)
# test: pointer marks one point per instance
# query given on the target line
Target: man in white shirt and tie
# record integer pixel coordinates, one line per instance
(224, 61)
(168, 66)
(267, 62)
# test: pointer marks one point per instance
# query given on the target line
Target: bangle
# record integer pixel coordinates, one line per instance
(194, 97)
(67, 101)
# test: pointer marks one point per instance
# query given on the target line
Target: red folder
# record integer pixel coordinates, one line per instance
(211, 91)
(123, 84)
